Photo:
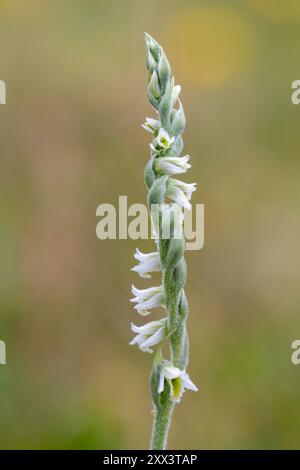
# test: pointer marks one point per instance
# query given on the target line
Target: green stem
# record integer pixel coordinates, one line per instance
(161, 425)
(171, 300)
(164, 411)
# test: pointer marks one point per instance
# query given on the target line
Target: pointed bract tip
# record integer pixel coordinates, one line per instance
(150, 40)
(147, 37)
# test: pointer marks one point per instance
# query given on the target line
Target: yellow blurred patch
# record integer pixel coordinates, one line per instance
(278, 10)
(11, 3)
(19, 5)
(211, 45)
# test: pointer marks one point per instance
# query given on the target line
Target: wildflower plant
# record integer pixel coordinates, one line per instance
(169, 378)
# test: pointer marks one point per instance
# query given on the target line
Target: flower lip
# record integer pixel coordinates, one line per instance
(163, 141)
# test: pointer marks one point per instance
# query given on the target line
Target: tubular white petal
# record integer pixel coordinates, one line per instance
(151, 125)
(138, 339)
(168, 168)
(142, 311)
(148, 298)
(146, 349)
(148, 263)
(155, 301)
(145, 256)
(145, 293)
(172, 165)
(161, 383)
(178, 196)
(187, 383)
(148, 328)
(154, 123)
(154, 339)
(176, 93)
(180, 192)
(147, 128)
(149, 334)
(187, 188)
(144, 275)
(147, 267)
(177, 160)
(171, 372)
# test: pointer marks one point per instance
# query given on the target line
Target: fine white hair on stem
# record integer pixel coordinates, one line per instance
(169, 378)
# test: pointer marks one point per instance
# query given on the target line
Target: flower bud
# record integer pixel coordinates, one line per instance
(152, 46)
(175, 253)
(179, 121)
(157, 192)
(164, 70)
(150, 62)
(165, 107)
(149, 175)
(177, 147)
(180, 274)
(153, 86)
(153, 90)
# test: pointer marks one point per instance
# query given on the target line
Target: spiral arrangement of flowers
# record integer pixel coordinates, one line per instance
(169, 378)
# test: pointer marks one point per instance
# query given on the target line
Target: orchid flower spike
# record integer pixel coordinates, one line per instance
(166, 199)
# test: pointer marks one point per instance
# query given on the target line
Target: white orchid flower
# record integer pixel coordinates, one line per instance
(147, 299)
(163, 141)
(150, 334)
(152, 125)
(177, 379)
(148, 263)
(172, 165)
(180, 192)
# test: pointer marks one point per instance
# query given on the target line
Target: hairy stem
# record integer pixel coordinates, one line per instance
(161, 425)
(163, 411)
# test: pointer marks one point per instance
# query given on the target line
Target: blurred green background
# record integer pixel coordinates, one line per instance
(71, 140)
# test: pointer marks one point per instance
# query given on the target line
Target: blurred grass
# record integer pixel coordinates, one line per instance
(71, 140)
